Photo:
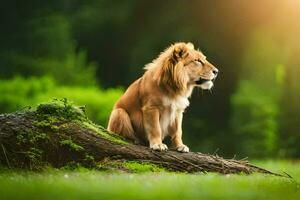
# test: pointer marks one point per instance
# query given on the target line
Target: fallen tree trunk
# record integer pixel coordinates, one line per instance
(58, 134)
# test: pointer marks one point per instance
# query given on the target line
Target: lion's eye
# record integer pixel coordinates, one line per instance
(199, 62)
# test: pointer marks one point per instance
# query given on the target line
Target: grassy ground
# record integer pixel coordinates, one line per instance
(60, 184)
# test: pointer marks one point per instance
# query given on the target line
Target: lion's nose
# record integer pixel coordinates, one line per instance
(215, 71)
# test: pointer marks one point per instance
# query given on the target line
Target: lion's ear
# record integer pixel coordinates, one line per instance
(180, 52)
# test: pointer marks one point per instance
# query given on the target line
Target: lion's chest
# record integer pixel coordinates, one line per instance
(171, 107)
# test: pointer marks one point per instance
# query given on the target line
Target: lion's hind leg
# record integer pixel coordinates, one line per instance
(119, 122)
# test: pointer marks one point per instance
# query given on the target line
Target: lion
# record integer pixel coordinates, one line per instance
(152, 107)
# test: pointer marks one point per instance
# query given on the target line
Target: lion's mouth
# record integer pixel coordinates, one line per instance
(201, 81)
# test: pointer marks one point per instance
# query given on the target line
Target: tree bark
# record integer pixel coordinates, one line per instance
(33, 139)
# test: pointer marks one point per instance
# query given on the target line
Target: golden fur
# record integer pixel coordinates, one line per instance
(152, 107)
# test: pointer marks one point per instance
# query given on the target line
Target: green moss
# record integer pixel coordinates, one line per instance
(74, 166)
(71, 145)
(34, 156)
(38, 137)
(21, 137)
(29, 136)
(52, 115)
(89, 158)
(51, 124)
(89, 161)
(46, 124)
(34, 153)
(60, 109)
(129, 166)
(104, 133)
(142, 167)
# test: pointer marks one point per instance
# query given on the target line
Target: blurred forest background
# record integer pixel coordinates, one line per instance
(90, 51)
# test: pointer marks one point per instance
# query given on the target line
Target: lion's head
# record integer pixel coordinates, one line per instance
(181, 66)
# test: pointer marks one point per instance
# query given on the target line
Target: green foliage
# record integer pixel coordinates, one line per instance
(256, 101)
(254, 121)
(74, 67)
(50, 50)
(19, 93)
(84, 184)
(54, 32)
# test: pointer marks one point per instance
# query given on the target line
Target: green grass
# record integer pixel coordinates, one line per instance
(85, 184)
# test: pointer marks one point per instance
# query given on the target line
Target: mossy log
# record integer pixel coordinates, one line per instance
(57, 134)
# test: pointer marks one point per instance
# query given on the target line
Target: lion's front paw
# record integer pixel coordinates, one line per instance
(183, 148)
(159, 147)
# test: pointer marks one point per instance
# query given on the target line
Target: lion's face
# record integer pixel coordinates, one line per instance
(181, 66)
(200, 72)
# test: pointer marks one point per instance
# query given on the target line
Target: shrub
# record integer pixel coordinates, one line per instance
(18, 93)
(99, 103)
(49, 49)
(254, 120)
